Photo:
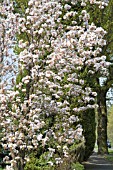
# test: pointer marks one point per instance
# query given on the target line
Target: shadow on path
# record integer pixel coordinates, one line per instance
(97, 162)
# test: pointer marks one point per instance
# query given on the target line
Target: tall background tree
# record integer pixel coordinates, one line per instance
(103, 18)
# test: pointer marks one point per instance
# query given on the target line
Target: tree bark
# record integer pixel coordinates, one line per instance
(102, 122)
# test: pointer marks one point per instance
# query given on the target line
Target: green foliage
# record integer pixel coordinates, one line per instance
(41, 159)
(21, 75)
(89, 126)
(41, 163)
(110, 156)
(18, 80)
(78, 151)
(69, 165)
(21, 5)
(77, 166)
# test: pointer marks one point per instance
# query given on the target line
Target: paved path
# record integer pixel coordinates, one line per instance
(97, 162)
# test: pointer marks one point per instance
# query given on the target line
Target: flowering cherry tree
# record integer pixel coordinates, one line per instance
(57, 45)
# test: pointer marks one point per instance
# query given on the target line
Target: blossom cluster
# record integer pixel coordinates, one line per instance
(53, 55)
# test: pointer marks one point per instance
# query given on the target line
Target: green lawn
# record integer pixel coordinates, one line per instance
(110, 155)
(110, 151)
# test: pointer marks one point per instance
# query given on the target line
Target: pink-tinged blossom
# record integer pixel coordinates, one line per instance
(53, 56)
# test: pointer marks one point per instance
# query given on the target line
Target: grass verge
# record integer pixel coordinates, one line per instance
(110, 156)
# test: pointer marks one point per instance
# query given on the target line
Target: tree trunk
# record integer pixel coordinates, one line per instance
(102, 123)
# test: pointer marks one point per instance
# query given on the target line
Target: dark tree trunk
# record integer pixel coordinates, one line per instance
(102, 122)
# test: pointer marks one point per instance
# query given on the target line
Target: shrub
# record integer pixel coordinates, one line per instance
(43, 162)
